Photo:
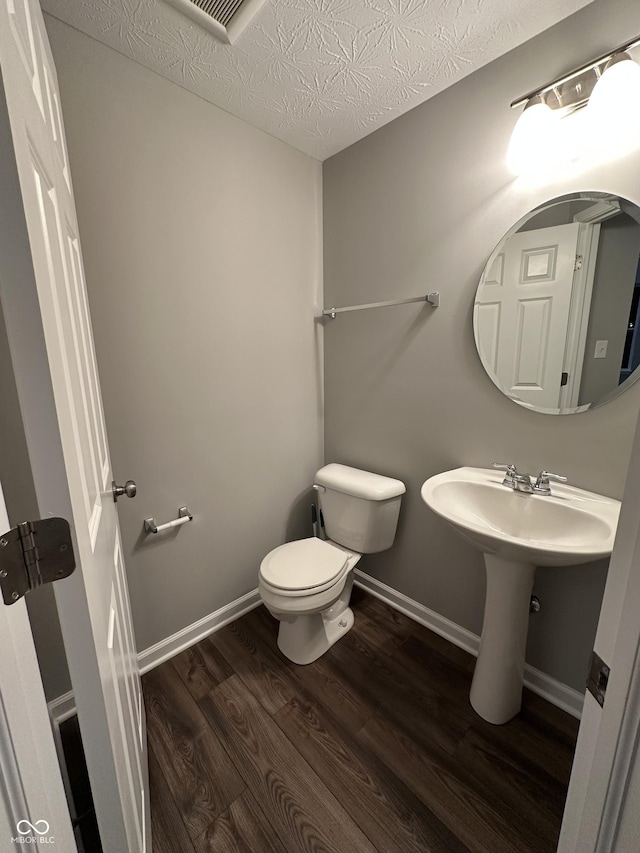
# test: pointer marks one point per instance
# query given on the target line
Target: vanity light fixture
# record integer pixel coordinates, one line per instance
(608, 87)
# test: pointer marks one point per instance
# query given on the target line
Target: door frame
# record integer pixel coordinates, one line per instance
(579, 312)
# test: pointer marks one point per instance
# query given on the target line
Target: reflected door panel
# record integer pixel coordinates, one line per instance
(524, 325)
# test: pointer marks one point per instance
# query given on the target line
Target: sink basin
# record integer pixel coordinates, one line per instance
(516, 532)
(569, 526)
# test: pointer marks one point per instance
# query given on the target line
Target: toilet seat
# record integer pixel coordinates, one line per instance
(303, 567)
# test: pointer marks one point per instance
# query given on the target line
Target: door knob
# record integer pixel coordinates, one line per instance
(129, 489)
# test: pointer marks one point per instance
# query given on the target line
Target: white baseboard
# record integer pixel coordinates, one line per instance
(192, 634)
(567, 698)
(544, 685)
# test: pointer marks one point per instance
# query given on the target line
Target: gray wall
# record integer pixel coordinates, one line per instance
(202, 249)
(418, 206)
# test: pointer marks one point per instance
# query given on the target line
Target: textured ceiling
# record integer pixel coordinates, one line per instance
(319, 74)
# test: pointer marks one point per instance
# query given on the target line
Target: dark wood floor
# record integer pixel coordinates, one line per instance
(372, 748)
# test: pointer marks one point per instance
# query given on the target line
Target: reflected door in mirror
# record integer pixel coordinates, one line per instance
(523, 311)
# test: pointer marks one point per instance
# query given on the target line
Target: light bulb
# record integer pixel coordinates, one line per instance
(614, 109)
(534, 141)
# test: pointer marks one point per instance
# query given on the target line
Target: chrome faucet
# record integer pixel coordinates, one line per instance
(514, 480)
(523, 482)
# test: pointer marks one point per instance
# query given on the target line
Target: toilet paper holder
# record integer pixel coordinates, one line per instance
(184, 515)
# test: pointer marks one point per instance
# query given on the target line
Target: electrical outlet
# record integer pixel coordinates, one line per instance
(601, 349)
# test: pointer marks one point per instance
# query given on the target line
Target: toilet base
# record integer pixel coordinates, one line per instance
(308, 637)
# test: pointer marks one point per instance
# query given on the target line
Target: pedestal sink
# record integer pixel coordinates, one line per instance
(516, 532)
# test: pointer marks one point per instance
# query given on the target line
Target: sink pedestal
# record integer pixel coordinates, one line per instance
(496, 690)
(516, 531)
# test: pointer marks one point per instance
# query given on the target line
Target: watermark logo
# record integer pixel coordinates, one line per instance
(40, 827)
(33, 833)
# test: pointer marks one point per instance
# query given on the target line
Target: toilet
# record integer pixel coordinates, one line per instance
(307, 584)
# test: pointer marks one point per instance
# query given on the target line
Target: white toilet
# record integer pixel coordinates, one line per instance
(307, 584)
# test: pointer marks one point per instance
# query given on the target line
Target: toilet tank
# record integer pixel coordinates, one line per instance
(360, 509)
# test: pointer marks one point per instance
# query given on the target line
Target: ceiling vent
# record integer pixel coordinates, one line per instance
(226, 19)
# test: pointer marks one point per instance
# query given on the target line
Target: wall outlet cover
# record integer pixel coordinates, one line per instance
(601, 349)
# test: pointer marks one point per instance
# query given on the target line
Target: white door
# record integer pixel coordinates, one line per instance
(32, 799)
(51, 343)
(601, 814)
(522, 313)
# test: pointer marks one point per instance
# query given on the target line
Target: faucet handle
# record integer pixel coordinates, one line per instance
(510, 476)
(504, 466)
(543, 486)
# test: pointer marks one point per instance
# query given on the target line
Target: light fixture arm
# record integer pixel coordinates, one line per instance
(593, 64)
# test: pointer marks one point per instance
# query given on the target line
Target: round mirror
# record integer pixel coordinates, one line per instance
(556, 312)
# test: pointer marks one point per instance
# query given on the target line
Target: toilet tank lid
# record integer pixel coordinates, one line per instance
(360, 484)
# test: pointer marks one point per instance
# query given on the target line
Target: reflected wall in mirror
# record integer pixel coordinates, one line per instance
(556, 312)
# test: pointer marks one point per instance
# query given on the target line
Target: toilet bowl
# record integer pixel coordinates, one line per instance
(307, 584)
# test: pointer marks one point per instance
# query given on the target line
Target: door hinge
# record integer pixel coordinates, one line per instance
(578, 264)
(564, 378)
(34, 553)
(598, 678)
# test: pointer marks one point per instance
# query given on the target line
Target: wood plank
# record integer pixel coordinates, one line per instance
(170, 707)
(412, 704)
(543, 746)
(256, 663)
(382, 806)
(317, 678)
(445, 788)
(420, 661)
(242, 828)
(168, 832)
(199, 774)
(305, 814)
(381, 625)
(376, 609)
(201, 667)
(459, 657)
(544, 736)
(525, 795)
(549, 719)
